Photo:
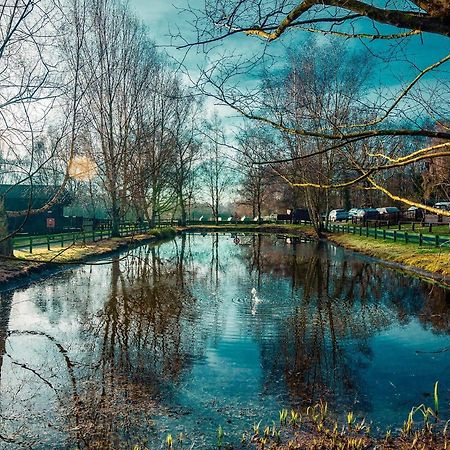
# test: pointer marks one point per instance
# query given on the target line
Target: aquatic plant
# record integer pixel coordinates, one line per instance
(220, 436)
(283, 416)
(321, 432)
(277, 437)
(295, 418)
(169, 442)
(350, 419)
(408, 423)
(388, 436)
(256, 428)
(436, 399)
(263, 441)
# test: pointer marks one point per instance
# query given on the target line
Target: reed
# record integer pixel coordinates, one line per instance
(169, 442)
(436, 399)
(220, 436)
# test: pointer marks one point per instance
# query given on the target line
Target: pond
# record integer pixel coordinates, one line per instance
(209, 330)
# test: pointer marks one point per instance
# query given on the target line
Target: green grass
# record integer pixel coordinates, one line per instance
(438, 229)
(430, 259)
(23, 242)
(79, 251)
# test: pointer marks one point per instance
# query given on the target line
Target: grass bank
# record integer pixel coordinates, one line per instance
(24, 263)
(429, 262)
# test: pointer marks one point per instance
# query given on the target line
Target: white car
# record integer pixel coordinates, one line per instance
(443, 205)
(388, 210)
(337, 215)
(353, 212)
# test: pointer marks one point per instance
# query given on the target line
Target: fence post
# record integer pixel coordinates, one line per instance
(93, 235)
(436, 239)
(367, 230)
(395, 235)
(360, 230)
(414, 226)
(420, 239)
(384, 233)
(62, 239)
(430, 228)
(48, 242)
(31, 244)
(399, 226)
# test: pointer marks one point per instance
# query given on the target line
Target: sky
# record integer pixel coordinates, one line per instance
(416, 52)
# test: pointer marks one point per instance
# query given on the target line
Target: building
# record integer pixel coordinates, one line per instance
(20, 197)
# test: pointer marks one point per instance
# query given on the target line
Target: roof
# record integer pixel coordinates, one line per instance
(18, 196)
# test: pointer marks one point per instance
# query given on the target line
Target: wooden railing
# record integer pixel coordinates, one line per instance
(60, 240)
(397, 235)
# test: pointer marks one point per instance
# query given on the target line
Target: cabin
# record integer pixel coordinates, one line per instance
(20, 197)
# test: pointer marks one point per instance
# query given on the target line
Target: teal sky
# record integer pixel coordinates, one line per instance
(404, 59)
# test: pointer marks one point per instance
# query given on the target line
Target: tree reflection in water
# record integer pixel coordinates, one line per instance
(99, 362)
(339, 304)
(146, 335)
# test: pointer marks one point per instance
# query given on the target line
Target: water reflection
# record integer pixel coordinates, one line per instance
(206, 330)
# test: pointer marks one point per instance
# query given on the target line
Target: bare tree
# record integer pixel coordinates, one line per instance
(270, 21)
(154, 162)
(215, 169)
(28, 92)
(257, 181)
(187, 149)
(117, 61)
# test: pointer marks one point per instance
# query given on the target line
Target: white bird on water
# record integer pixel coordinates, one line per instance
(255, 301)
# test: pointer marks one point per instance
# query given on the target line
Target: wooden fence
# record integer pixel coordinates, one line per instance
(397, 235)
(60, 240)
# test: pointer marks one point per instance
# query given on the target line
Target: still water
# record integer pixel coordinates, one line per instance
(205, 331)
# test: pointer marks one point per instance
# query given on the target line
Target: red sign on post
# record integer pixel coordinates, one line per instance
(50, 222)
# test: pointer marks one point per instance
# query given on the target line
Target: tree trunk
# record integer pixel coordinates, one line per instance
(115, 218)
(183, 212)
(6, 246)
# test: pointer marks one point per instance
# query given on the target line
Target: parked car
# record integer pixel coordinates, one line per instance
(367, 214)
(443, 205)
(352, 212)
(388, 210)
(337, 215)
(414, 213)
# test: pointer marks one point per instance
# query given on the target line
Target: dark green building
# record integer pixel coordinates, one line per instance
(22, 197)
